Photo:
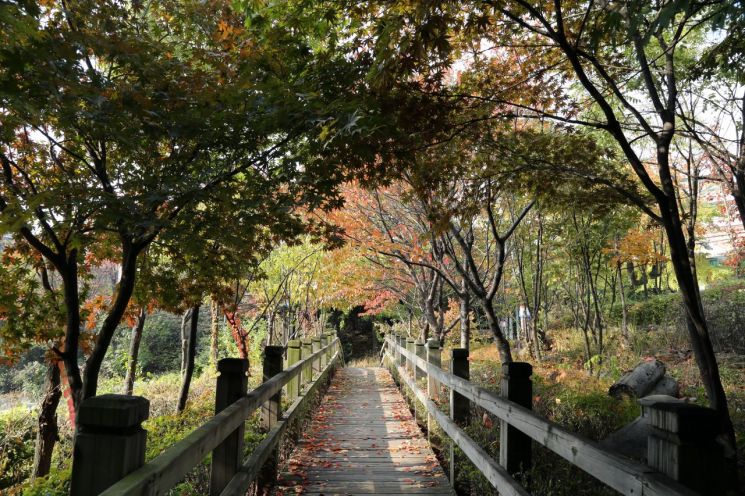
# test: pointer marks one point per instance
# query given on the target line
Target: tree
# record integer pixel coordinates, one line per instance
(392, 228)
(151, 114)
(30, 315)
(631, 95)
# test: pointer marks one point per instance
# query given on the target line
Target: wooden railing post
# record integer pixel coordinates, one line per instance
(110, 441)
(421, 352)
(293, 357)
(330, 352)
(683, 446)
(515, 448)
(306, 351)
(434, 358)
(324, 342)
(459, 405)
(232, 384)
(317, 361)
(270, 412)
(337, 346)
(402, 343)
(410, 349)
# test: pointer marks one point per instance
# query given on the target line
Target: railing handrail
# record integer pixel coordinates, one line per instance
(167, 469)
(621, 474)
(250, 468)
(494, 472)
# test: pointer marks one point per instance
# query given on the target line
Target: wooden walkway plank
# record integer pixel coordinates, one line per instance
(363, 440)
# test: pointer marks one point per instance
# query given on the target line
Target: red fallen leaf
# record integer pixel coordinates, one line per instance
(486, 420)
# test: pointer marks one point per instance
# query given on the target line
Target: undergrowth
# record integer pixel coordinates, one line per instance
(565, 392)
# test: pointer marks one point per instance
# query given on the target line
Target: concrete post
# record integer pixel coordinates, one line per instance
(515, 448)
(271, 412)
(232, 384)
(459, 407)
(683, 446)
(293, 357)
(317, 362)
(324, 355)
(306, 350)
(434, 359)
(421, 352)
(110, 441)
(410, 347)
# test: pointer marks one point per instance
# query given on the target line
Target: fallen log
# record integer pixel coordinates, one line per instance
(666, 386)
(640, 381)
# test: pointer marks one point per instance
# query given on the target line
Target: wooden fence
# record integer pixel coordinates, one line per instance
(683, 457)
(110, 444)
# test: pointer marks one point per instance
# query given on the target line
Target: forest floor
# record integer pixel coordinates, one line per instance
(565, 392)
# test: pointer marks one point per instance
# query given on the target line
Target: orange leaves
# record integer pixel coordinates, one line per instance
(92, 308)
(640, 246)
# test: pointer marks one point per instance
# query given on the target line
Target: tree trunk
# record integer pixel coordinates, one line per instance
(270, 328)
(69, 273)
(214, 332)
(134, 351)
(503, 346)
(111, 322)
(537, 286)
(189, 365)
(465, 324)
(184, 339)
(624, 310)
(698, 332)
(47, 436)
(738, 192)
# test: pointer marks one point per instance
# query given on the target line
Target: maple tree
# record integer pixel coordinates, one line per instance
(393, 230)
(150, 116)
(565, 41)
(31, 314)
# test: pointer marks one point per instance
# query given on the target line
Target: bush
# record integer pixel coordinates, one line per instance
(723, 305)
(17, 438)
(57, 483)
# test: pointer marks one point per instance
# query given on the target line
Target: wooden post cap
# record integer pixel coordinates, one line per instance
(649, 401)
(433, 343)
(517, 370)
(459, 353)
(293, 343)
(113, 411)
(686, 420)
(232, 366)
(274, 351)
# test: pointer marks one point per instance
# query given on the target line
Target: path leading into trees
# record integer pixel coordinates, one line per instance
(363, 440)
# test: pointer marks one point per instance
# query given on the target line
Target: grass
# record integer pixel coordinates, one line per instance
(164, 427)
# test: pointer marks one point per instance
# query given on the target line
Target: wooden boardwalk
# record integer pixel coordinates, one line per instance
(363, 440)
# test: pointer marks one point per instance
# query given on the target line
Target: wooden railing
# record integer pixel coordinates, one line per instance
(682, 451)
(110, 443)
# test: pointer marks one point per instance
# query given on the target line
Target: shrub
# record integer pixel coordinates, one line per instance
(17, 437)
